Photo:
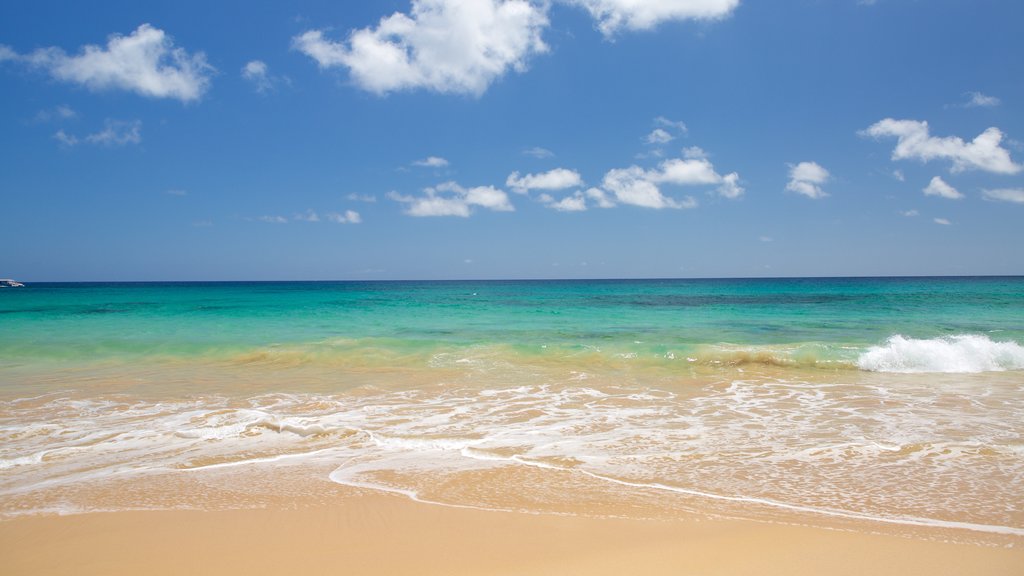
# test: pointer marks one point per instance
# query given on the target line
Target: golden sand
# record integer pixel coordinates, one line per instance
(369, 533)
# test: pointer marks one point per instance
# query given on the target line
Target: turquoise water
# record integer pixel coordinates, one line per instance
(868, 403)
(833, 319)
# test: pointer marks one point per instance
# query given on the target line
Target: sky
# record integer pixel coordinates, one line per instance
(491, 139)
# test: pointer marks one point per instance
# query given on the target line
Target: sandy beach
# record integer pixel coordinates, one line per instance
(366, 533)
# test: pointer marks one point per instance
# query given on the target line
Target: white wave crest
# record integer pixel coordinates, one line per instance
(951, 354)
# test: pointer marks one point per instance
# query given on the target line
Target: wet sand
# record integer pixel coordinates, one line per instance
(369, 533)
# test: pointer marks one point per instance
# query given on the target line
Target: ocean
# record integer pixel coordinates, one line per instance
(862, 403)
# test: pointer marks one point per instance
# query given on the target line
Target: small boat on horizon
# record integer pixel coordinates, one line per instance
(8, 283)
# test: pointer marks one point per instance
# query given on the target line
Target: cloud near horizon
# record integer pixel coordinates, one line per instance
(145, 62)
(451, 199)
(914, 142)
(556, 179)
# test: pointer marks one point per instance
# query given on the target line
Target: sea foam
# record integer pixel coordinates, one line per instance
(950, 354)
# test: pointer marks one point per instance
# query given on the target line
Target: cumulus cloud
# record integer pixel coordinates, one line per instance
(431, 162)
(574, 203)
(642, 187)
(117, 133)
(939, 187)
(915, 142)
(538, 152)
(145, 62)
(65, 139)
(448, 46)
(659, 136)
(806, 178)
(451, 199)
(599, 197)
(1015, 195)
(979, 100)
(557, 179)
(615, 15)
(348, 217)
(256, 72)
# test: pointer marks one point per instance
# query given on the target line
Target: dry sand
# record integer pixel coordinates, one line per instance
(365, 533)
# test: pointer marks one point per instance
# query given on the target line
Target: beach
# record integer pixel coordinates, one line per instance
(707, 427)
(373, 534)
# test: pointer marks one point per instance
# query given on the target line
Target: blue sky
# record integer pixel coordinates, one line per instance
(510, 139)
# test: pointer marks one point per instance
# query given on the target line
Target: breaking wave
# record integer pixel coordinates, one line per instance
(963, 353)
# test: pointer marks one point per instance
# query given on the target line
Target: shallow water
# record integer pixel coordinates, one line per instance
(876, 401)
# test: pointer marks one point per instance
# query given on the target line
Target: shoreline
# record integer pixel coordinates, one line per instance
(369, 533)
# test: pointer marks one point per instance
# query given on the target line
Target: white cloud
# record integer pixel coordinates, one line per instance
(431, 162)
(574, 203)
(942, 221)
(914, 142)
(557, 179)
(659, 136)
(7, 53)
(910, 213)
(598, 196)
(309, 216)
(256, 72)
(1015, 195)
(273, 219)
(806, 178)
(939, 187)
(538, 152)
(62, 112)
(448, 46)
(673, 124)
(898, 174)
(979, 100)
(118, 133)
(349, 217)
(145, 62)
(614, 15)
(639, 187)
(65, 138)
(362, 197)
(451, 199)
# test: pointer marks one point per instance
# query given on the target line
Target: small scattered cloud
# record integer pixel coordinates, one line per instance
(176, 192)
(273, 219)
(1015, 195)
(431, 162)
(898, 174)
(574, 203)
(675, 125)
(347, 217)
(615, 15)
(451, 199)
(368, 198)
(979, 100)
(446, 46)
(65, 139)
(914, 142)
(659, 136)
(599, 197)
(806, 178)
(309, 216)
(637, 186)
(941, 221)
(257, 73)
(556, 179)
(909, 213)
(939, 187)
(145, 62)
(56, 114)
(117, 133)
(538, 152)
